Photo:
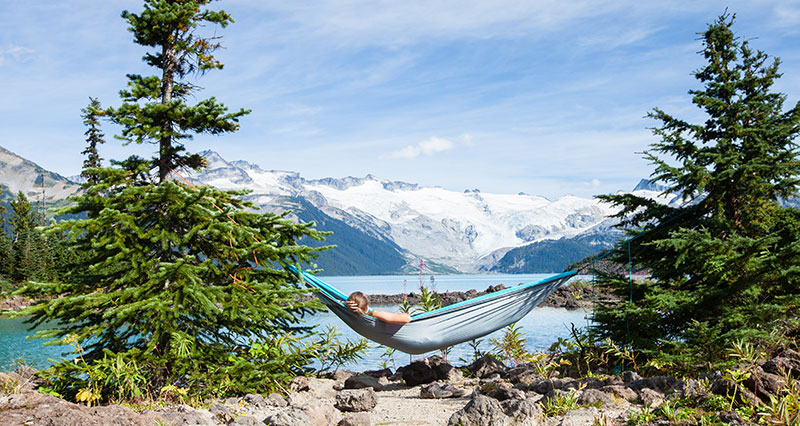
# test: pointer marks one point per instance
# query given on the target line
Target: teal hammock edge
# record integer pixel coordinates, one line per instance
(446, 326)
(335, 294)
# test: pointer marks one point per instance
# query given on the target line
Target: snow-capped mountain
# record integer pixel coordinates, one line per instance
(382, 226)
(467, 230)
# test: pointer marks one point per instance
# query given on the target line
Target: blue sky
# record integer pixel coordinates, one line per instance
(542, 97)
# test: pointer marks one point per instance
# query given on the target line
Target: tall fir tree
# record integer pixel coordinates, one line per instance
(154, 108)
(32, 258)
(23, 216)
(94, 136)
(184, 283)
(6, 251)
(724, 265)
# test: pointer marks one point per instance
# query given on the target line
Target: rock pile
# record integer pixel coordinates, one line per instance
(430, 391)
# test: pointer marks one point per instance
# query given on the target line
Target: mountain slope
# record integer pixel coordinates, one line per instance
(465, 230)
(381, 227)
(18, 174)
(356, 253)
(551, 256)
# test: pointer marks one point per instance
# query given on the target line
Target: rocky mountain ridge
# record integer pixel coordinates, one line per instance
(18, 174)
(469, 231)
(391, 225)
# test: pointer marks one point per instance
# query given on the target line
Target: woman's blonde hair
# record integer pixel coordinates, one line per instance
(360, 299)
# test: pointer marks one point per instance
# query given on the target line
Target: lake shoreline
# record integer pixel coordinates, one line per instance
(567, 296)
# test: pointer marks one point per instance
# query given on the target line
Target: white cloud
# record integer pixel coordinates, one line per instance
(614, 40)
(787, 16)
(13, 53)
(427, 147)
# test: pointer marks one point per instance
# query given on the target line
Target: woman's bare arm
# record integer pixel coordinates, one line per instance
(399, 318)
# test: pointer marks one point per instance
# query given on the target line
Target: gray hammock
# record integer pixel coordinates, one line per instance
(446, 326)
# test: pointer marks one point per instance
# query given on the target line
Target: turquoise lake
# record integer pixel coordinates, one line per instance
(541, 327)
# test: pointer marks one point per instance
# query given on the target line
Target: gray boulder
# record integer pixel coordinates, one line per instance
(651, 397)
(580, 417)
(361, 381)
(417, 373)
(480, 411)
(299, 384)
(386, 372)
(593, 396)
(319, 413)
(356, 400)
(592, 383)
(630, 376)
(788, 361)
(255, 400)
(247, 421)
(291, 416)
(522, 411)
(185, 415)
(356, 419)
(33, 408)
(545, 386)
(522, 374)
(487, 367)
(620, 391)
(276, 400)
(503, 391)
(440, 367)
(222, 413)
(659, 383)
(339, 376)
(438, 390)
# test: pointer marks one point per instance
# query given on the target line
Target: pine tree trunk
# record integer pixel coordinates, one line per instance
(169, 58)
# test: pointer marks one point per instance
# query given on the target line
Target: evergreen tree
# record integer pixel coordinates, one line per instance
(94, 136)
(23, 216)
(6, 256)
(179, 286)
(724, 264)
(154, 108)
(31, 258)
(6, 252)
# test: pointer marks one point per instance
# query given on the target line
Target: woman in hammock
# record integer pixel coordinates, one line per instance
(358, 303)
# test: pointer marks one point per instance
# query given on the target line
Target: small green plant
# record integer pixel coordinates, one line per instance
(386, 356)
(784, 409)
(511, 346)
(331, 352)
(751, 356)
(623, 354)
(477, 353)
(405, 306)
(445, 351)
(174, 393)
(9, 385)
(709, 419)
(643, 416)
(673, 413)
(545, 365)
(429, 300)
(559, 404)
(737, 377)
(715, 403)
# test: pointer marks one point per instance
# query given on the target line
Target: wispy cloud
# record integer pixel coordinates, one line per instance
(427, 147)
(541, 96)
(12, 53)
(787, 15)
